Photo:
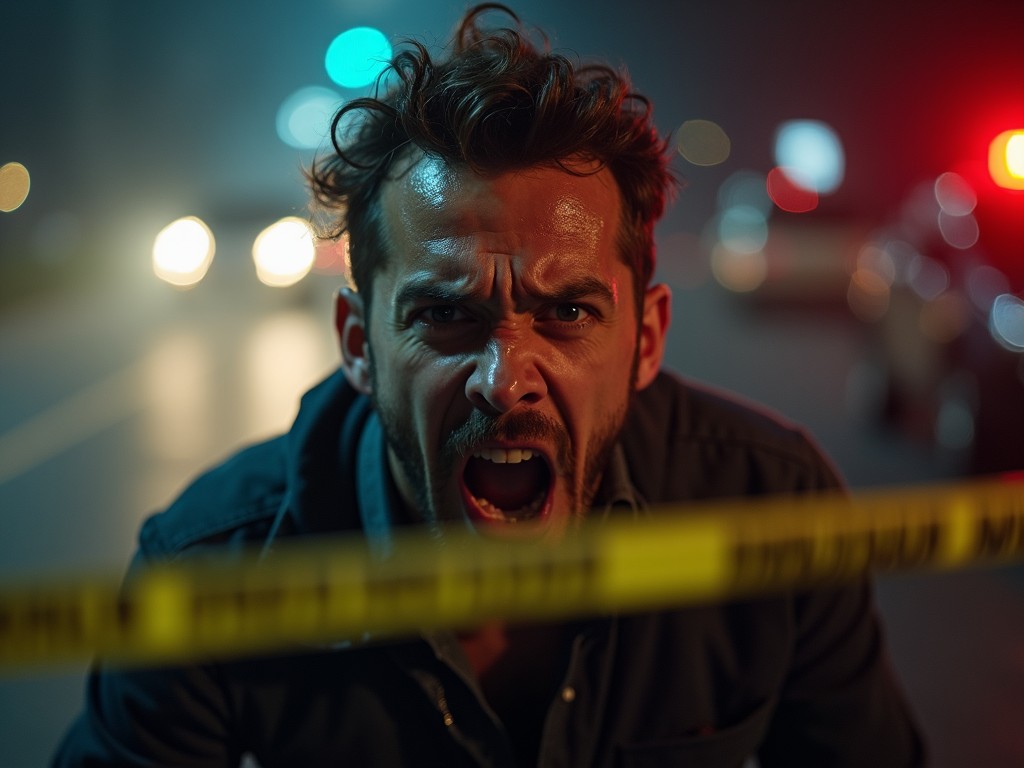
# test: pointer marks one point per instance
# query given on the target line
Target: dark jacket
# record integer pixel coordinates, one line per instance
(797, 680)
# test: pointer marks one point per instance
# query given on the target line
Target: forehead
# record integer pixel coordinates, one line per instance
(434, 212)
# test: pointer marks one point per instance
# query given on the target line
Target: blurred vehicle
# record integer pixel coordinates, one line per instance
(942, 290)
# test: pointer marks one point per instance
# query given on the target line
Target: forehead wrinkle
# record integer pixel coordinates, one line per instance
(425, 286)
(555, 281)
(465, 241)
(453, 286)
(444, 273)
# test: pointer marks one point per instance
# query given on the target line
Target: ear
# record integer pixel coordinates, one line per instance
(654, 322)
(350, 322)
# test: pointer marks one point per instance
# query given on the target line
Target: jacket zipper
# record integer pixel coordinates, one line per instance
(442, 705)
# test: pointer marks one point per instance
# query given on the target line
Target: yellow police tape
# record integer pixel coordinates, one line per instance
(332, 591)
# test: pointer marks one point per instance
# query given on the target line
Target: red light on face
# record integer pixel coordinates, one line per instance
(1006, 159)
(788, 195)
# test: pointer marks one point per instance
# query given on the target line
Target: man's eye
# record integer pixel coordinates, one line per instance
(442, 314)
(569, 313)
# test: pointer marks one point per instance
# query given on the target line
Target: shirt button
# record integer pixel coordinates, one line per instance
(568, 694)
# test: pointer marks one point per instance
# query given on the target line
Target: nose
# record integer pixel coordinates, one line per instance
(504, 376)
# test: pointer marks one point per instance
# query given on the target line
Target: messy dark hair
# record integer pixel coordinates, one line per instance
(498, 103)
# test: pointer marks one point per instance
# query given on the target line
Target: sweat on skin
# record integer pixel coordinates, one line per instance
(504, 344)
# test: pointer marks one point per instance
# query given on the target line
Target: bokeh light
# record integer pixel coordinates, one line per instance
(927, 277)
(743, 229)
(738, 271)
(284, 252)
(183, 252)
(1006, 159)
(957, 200)
(356, 57)
(811, 154)
(332, 256)
(1006, 321)
(1015, 155)
(15, 182)
(878, 259)
(787, 195)
(868, 295)
(745, 188)
(954, 194)
(960, 232)
(304, 118)
(703, 142)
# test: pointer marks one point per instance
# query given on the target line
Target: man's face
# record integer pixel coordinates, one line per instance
(503, 343)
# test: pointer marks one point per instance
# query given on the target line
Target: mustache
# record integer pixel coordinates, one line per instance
(524, 426)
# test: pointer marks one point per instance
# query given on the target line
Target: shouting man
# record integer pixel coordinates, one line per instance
(501, 369)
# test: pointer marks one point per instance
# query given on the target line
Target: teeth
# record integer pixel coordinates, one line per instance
(510, 456)
(527, 512)
(505, 455)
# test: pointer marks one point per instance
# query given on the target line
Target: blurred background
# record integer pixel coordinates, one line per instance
(848, 249)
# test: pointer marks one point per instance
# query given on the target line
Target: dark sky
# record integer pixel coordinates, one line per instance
(129, 114)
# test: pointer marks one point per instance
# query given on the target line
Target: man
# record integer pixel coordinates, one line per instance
(500, 368)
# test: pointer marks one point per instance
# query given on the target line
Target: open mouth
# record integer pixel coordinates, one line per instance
(508, 485)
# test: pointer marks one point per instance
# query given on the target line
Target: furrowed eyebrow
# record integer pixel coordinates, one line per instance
(422, 290)
(580, 288)
(417, 291)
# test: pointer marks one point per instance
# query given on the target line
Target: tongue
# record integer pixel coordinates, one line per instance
(507, 486)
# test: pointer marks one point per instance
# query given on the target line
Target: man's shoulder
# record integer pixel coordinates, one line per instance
(238, 501)
(691, 411)
(689, 440)
(234, 502)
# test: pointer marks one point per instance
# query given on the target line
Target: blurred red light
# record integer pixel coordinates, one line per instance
(1006, 159)
(788, 195)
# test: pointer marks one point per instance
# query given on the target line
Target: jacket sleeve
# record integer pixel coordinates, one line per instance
(841, 705)
(178, 715)
(170, 716)
(150, 716)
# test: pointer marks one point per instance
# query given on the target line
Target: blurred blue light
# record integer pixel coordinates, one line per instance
(357, 56)
(743, 229)
(811, 154)
(304, 118)
(745, 188)
(1006, 321)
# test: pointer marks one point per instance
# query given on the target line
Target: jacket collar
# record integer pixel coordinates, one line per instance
(320, 457)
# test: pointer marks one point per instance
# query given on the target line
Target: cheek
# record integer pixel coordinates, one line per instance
(600, 365)
(430, 391)
(604, 385)
(589, 389)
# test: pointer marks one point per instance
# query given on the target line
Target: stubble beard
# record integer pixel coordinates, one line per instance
(527, 425)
